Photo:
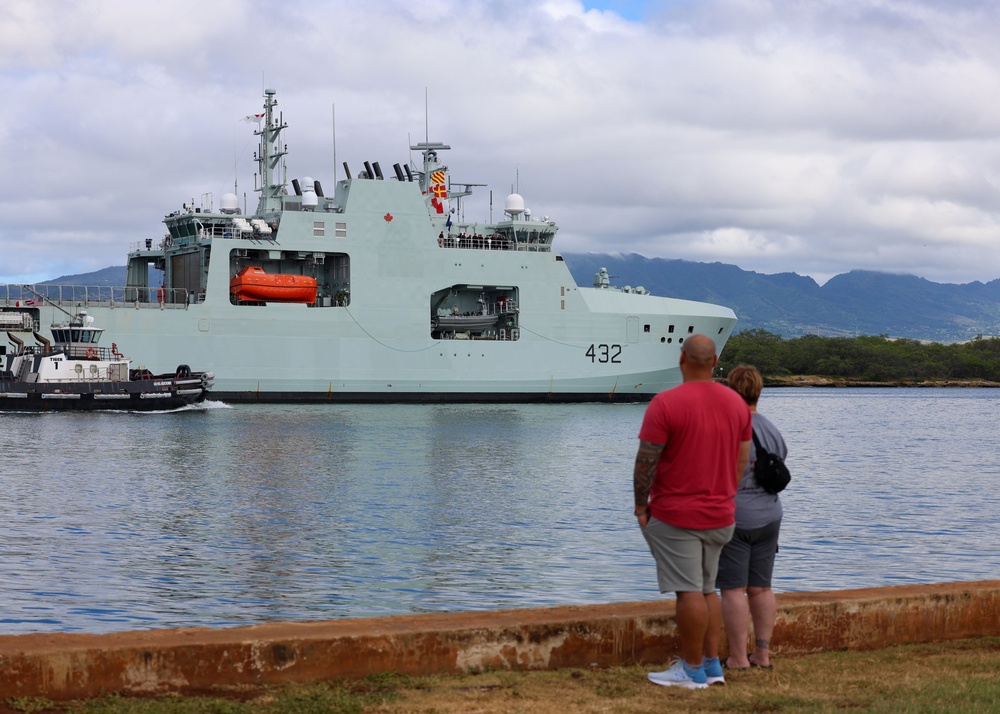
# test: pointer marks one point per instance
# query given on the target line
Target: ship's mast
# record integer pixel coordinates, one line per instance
(269, 157)
(431, 161)
(434, 180)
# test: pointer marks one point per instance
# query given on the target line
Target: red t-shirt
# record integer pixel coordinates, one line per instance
(701, 425)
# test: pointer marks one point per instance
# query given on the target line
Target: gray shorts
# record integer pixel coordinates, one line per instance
(748, 559)
(686, 559)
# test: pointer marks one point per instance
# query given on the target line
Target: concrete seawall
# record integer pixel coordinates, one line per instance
(73, 666)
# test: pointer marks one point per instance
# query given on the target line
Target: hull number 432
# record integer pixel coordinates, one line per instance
(605, 354)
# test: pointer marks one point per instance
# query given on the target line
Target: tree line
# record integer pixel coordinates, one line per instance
(866, 358)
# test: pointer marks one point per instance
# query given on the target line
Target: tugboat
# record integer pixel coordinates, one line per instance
(72, 372)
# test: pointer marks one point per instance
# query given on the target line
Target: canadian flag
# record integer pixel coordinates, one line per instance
(249, 118)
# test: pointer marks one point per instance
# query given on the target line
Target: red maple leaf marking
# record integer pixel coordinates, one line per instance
(387, 216)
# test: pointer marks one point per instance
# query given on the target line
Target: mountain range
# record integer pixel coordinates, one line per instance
(856, 303)
(860, 302)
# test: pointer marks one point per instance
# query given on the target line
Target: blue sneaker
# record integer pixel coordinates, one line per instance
(680, 674)
(713, 670)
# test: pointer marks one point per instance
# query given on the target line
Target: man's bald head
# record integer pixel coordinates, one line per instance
(698, 358)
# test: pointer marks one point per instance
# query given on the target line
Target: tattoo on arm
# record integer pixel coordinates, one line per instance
(645, 470)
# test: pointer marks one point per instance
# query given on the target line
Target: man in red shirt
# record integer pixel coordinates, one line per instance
(693, 447)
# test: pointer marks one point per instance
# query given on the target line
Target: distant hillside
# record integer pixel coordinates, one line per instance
(856, 303)
(859, 302)
(111, 276)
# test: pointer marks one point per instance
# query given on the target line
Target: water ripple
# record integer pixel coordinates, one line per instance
(249, 514)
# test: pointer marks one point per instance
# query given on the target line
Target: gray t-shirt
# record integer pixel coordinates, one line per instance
(755, 507)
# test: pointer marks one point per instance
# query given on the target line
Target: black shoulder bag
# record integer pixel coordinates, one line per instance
(770, 471)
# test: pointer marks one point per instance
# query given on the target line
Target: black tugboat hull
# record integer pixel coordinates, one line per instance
(161, 393)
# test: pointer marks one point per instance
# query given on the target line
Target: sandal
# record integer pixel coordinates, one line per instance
(725, 665)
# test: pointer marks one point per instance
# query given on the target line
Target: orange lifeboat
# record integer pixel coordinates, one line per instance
(252, 283)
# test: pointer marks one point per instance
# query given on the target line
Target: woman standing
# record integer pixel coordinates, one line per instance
(747, 561)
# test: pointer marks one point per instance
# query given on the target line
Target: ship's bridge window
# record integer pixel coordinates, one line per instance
(74, 335)
(319, 229)
(85, 336)
(186, 229)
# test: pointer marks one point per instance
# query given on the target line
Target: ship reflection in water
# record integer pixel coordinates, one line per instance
(247, 514)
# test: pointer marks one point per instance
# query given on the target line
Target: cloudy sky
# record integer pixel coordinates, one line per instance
(809, 136)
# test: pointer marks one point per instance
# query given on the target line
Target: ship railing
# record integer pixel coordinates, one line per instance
(147, 245)
(72, 297)
(491, 242)
(215, 229)
(78, 351)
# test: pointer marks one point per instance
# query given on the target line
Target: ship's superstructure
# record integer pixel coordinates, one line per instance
(377, 293)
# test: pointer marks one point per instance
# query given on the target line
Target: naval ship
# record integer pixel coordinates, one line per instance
(379, 291)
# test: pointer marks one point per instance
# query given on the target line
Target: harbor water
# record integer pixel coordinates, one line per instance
(247, 514)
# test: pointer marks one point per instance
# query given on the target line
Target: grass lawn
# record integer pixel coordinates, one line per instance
(958, 676)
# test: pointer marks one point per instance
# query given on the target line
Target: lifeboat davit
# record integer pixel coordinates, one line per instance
(253, 283)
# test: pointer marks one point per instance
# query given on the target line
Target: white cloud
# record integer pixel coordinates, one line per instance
(807, 137)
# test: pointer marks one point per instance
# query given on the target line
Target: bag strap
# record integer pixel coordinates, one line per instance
(756, 442)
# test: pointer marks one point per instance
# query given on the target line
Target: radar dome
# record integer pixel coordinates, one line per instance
(230, 203)
(514, 205)
(309, 198)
